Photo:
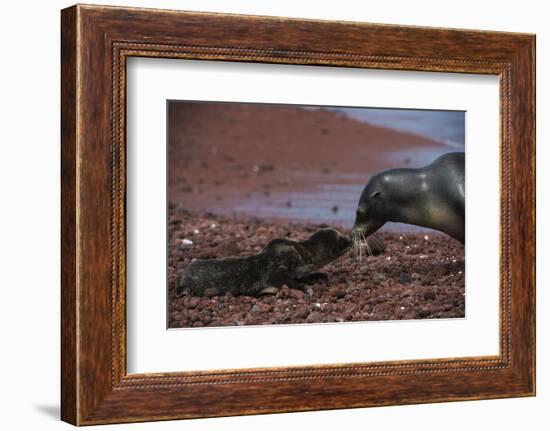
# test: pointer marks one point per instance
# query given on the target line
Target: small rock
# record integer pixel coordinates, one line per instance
(301, 312)
(424, 312)
(451, 301)
(404, 278)
(407, 292)
(185, 243)
(284, 292)
(270, 299)
(426, 280)
(229, 247)
(192, 303)
(296, 294)
(193, 315)
(378, 277)
(338, 292)
(441, 269)
(314, 317)
(429, 295)
(259, 169)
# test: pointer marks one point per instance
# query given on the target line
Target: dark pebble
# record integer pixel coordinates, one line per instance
(404, 278)
(441, 269)
(429, 295)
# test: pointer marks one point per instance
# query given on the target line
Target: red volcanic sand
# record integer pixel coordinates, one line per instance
(416, 278)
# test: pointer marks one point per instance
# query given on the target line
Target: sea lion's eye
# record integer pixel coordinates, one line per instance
(375, 195)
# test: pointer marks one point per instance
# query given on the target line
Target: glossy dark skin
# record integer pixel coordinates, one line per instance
(282, 261)
(432, 197)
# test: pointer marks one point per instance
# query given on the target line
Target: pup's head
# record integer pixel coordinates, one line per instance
(371, 209)
(326, 245)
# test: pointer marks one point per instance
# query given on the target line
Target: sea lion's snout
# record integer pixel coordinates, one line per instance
(180, 285)
(361, 224)
(179, 289)
(338, 242)
(185, 282)
(364, 225)
(328, 243)
(344, 242)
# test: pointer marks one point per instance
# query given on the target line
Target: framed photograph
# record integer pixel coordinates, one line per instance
(264, 215)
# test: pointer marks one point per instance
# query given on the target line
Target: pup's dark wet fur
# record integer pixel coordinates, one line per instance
(281, 262)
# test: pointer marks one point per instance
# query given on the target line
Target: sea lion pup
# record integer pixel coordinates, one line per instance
(432, 197)
(281, 261)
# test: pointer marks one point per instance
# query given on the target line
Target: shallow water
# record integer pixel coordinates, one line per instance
(443, 126)
(333, 203)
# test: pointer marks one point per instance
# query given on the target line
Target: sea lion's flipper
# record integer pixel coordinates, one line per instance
(279, 276)
(305, 270)
(313, 278)
(269, 291)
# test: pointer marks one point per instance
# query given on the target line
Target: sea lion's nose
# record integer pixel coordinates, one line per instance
(356, 229)
(345, 241)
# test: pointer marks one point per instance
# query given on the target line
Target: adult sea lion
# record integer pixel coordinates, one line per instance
(432, 197)
(280, 262)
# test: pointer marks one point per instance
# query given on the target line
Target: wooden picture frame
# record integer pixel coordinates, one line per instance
(95, 43)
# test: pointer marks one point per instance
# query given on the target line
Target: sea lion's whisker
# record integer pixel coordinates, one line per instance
(364, 245)
(360, 247)
(369, 249)
(360, 242)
